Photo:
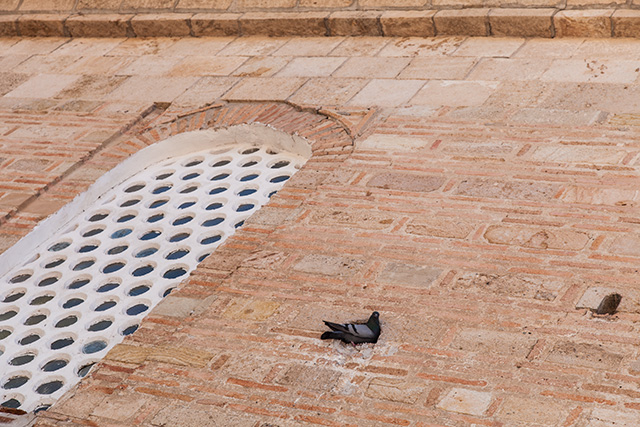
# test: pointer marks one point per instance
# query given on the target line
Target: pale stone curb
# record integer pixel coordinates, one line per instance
(501, 22)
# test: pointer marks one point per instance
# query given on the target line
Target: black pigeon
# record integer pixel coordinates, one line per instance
(354, 333)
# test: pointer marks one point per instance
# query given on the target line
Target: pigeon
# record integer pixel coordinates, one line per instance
(609, 304)
(354, 333)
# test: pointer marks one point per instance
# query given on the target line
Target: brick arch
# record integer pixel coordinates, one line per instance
(327, 135)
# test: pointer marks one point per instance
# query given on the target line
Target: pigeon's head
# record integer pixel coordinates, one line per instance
(375, 314)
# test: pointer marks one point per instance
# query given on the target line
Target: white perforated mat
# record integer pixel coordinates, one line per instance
(91, 284)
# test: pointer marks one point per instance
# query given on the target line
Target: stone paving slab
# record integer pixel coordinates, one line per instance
(488, 202)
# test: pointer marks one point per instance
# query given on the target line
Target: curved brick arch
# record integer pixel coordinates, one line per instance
(327, 136)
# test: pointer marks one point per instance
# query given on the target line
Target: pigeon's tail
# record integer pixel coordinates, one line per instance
(330, 335)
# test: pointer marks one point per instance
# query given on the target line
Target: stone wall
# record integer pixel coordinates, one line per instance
(150, 18)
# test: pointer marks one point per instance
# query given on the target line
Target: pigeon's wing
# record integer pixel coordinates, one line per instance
(357, 330)
(337, 327)
(360, 330)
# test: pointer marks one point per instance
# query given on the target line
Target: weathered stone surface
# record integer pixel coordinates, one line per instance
(583, 23)
(589, 355)
(537, 237)
(314, 377)
(161, 25)
(466, 401)
(504, 344)
(329, 265)
(408, 23)
(354, 24)
(407, 274)
(626, 244)
(600, 196)
(521, 22)
(111, 25)
(440, 227)
(467, 22)
(119, 407)
(41, 25)
(393, 142)
(578, 154)
(8, 25)
(544, 411)
(127, 353)
(626, 23)
(406, 182)
(215, 25)
(256, 310)
(524, 190)
(189, 416)
(283, 24)
(605, 417)
(175, 306)
(359, 218)
(395, 390)
(510, 285)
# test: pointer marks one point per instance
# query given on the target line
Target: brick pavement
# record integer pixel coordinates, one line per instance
(480, 193)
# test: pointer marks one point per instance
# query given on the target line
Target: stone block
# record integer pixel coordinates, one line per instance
(367, 219)
(119, 407)
(452, 228)
(519, 190)
(175, 306)
(9, 5)
(247, 309)
(204, 4)
(521, 22)
(150, 5)
(326, 4)
(313, 377)
(579, 154)
(98, 5)
(626, 244)
(47, 5)
(98, 25)
(595, 356)
(393, 142)
(537, 237)
(543, 411)
(394, 390)
(264, 4)
(626, 23)
(463, 22)
(510, 285)
(406, 182)
(380, 4)
(215, 24)
(583, 23)
(181, 356)
(187, 416)
(41, 25)
(498, 343)
(466, 401)
(405, 274)
(408, 23)
(161, 25)
(127, 353)
(354, 23)
(328, 265)
(283, 24)
(604, 417)
(9, 26)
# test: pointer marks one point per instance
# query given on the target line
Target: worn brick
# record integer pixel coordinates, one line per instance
(256, 310)
(407, 274)
(406, 182)
(521, 190)
(395, 390)
(440, 227)
(316, 378)
(490, 342)
(329, 265)
(537, 237)
(589, 355)
(466, 401)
